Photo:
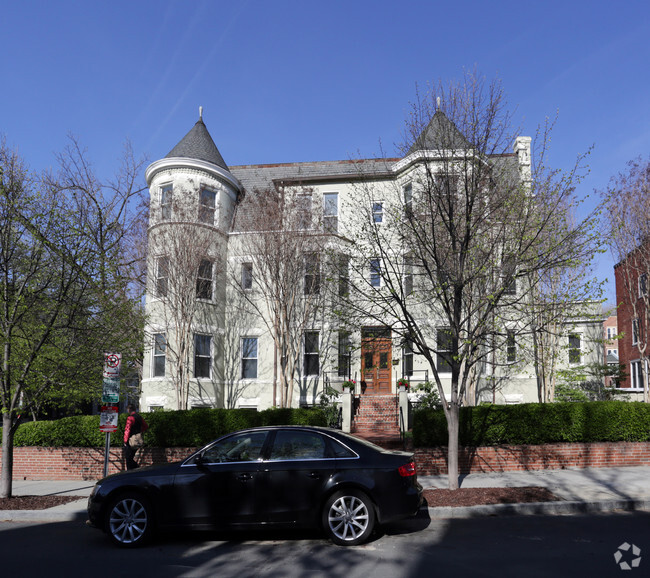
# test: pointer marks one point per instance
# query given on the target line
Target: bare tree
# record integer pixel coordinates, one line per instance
(465, 225)
(278, 273)
(184, 269)
(628, 216)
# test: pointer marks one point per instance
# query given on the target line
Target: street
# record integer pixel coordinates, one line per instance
(527, 546)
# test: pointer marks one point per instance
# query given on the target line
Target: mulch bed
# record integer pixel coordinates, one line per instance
(35, 502)
(434, 498)
(484, 496)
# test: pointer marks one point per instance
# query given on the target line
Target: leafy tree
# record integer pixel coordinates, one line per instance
(63, 286)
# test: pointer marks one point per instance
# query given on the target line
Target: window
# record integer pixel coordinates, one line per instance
(344, 354)
(159, 355)
(162, 276)
(636, 375)
(407, 355)
(207, 204)
(635, 332)
(511, 347)
(249, 358)
(310, 358)
(298, 445)
(408, 275)
(202, 357)
(303, 208)
(575, 353)
(247, 276)
(204, 280)
(375, 272)
(331, 212)
(643, 285)
(444, 340)
(344, 275)
(378, 212)
(408, 201)
(509, 279)
(241, 447)
(611, 333)
(166, 202)
(312, 274)
(446, 185)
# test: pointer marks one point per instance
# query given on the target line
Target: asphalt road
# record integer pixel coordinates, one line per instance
(529, 546)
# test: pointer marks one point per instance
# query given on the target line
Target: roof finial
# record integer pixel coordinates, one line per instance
(200, 113)
(437, 103)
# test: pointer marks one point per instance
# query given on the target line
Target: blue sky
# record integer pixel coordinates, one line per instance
(284, 81)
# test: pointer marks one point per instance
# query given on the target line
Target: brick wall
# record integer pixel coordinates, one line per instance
(35, 463)
(433, 461)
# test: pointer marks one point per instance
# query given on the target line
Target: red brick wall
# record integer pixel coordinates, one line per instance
(433, 461)
(35, 463)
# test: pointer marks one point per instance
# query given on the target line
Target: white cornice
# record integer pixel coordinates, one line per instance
(185, 163)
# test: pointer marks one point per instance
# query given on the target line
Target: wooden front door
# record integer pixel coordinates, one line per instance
(376, 356)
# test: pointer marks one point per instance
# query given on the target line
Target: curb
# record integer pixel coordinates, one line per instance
(558, 508)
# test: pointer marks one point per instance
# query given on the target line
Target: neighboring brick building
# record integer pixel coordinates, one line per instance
(631, 277)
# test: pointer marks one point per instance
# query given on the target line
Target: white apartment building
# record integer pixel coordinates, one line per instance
(202, 275)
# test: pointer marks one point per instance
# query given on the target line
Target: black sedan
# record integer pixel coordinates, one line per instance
(284, 476)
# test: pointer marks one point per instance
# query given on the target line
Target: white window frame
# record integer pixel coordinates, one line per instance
(511, 346)
(378, 212)
(635, 331)
(331, 212)
(306, 355)
(573, 349)
(312, 276)
(202, 282)
(636, 374)
(642, 285)
(304, 211)
(246, 356)
(161, 275)
(408, 200)
(247, 276)
(208, 211)
(208, 356)
(166, 200)
(159, 346)
(375, 272)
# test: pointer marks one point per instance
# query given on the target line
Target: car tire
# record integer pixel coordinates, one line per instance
(349, 517)
(129, 520)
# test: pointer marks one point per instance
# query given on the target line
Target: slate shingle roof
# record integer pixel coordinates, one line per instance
(198, 144)
(440, 134)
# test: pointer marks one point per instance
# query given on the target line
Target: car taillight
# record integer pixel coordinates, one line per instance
(407, 470)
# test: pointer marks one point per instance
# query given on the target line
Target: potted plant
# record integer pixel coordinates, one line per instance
(403, 383)
(350, 384)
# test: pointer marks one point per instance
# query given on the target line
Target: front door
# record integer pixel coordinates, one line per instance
(376, 354)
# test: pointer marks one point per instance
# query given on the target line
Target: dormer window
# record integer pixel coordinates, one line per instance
(207, 206)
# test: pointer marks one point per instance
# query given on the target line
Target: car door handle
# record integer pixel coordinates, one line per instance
(244, 477)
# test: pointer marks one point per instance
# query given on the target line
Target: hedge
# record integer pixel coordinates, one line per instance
(189, 428)
(537, 423)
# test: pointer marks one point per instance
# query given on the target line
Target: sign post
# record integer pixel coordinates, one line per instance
(110, 399)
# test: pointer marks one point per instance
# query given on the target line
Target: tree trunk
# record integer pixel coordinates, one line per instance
(7, 456)
(452, 447)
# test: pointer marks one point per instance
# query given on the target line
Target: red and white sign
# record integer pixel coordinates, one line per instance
(108, 418)
(112, 363)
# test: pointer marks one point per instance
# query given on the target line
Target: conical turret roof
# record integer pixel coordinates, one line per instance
(440, 134)
(198, 144)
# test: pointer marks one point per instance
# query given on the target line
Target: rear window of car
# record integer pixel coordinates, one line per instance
(298, 445)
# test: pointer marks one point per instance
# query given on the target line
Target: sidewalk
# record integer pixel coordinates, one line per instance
(581, 491)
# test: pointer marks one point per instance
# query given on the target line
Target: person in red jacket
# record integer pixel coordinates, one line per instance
(135, 424)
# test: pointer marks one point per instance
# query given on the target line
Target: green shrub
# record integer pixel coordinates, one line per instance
(537, 423)
(189, 428)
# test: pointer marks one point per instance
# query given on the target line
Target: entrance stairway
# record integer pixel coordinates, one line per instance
(376, 420)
